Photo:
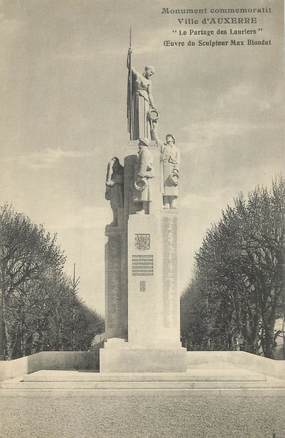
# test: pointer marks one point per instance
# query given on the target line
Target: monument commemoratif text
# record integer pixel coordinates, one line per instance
(142, 300)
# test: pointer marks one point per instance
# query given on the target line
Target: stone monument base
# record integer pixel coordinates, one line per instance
(140, 360)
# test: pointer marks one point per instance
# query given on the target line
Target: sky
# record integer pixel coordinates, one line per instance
(63, 93)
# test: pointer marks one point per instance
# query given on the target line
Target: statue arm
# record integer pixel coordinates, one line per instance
(141, 165)
(109, 181)
(174, 158)
(145, 165)
(163, 156)
(151, 102)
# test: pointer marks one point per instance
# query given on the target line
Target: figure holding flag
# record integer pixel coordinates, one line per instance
(142, 115)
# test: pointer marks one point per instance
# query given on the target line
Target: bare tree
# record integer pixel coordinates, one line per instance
(240, 269)
(40, 308)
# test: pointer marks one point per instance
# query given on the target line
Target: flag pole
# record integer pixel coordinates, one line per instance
(130, 87)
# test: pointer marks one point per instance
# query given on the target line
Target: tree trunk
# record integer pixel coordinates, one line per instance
(9, 342)
(2, 326)
(268, 339)
(23, 340)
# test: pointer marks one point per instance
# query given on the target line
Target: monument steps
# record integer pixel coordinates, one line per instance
(142, 386)
(231, 378)
(230, 374)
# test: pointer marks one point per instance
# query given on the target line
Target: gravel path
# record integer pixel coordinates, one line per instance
(144, 414)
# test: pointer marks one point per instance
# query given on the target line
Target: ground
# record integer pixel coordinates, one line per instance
(142, 413)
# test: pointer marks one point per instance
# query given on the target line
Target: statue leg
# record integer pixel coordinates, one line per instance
(166, 203)
(146, 207)
(173, 201)
(140, 208)
(115, 217)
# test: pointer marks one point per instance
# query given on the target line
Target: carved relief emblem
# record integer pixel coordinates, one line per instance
(142, 241)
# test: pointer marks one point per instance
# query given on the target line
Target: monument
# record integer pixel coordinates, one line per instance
(141, 292)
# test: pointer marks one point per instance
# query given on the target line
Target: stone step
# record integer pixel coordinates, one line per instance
(159, 385)
(193, 379)
(225, 375)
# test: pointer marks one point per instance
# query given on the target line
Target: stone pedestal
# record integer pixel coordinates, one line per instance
(147, 268)
(116, 298)
(153, 300)
(139, 360)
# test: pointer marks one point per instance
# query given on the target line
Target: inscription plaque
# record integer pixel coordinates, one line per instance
(142, 265)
